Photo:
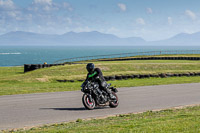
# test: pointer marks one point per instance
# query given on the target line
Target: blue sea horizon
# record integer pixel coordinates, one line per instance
(20, 55)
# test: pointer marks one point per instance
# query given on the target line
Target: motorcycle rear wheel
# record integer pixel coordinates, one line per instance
(86, 102)
(114, 104)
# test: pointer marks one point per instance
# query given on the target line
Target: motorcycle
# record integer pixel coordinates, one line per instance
(94, 96)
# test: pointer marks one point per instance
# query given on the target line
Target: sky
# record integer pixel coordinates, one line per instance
(150, 19)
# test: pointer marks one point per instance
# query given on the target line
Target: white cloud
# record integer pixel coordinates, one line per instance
(190, 14)
(140, 21)
(69, 20)
(82, 29)
(67, 6)
(122, 6)
(44, 6)
(7, 4)
(12, 14)
(43, 2)
(112, 30)
(169, 20)
(9, 11)
(40, 16)
(149, 10)
(47, 8)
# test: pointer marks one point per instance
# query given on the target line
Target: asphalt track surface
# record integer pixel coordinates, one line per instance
(18, 111)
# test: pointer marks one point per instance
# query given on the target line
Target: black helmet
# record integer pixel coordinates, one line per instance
(90, 67)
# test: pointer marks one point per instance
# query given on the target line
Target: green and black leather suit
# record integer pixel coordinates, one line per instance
(97, 76)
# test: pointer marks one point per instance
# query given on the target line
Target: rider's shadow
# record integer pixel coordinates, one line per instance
(71, 109)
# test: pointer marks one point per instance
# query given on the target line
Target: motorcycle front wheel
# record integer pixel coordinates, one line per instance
(115, 103)
(87, 103)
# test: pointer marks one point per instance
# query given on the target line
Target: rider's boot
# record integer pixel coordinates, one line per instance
(112, 97)
(106, 88)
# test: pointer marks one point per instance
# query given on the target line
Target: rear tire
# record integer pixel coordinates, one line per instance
(114, 104)
(88, 105)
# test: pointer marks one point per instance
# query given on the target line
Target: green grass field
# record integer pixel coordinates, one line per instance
(186, 120)
(14, 81)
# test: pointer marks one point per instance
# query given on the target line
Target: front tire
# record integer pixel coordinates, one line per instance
(115, 103)
(86, 102)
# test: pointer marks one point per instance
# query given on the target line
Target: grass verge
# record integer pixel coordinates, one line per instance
(14, 81)
(11, 88)
(171, 120)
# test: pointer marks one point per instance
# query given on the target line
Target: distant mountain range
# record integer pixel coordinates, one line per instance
(94, 38)
(182, 39)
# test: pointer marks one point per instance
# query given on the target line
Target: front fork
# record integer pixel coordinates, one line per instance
(90, 97)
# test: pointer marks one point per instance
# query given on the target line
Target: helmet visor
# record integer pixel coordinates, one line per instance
(90, 69)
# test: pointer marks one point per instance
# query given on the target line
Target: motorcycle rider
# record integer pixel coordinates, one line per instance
(95, 74)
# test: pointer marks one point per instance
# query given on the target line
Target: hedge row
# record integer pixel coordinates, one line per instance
(153, 58)
(141, 76)
(31, 67)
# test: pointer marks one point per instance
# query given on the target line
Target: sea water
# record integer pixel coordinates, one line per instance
(20, 55)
